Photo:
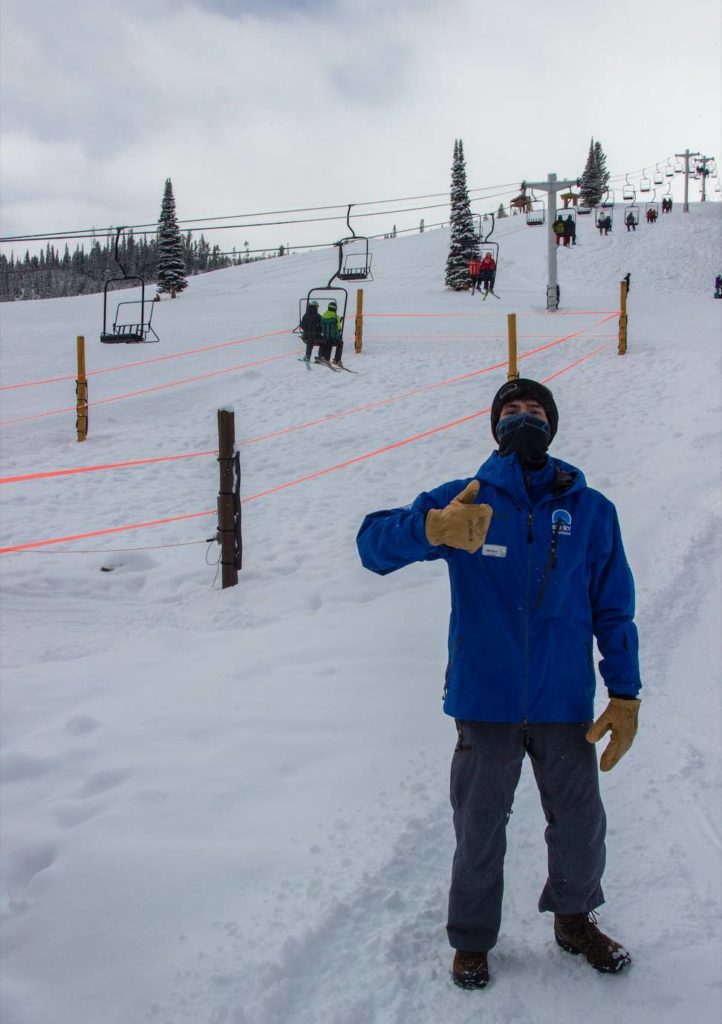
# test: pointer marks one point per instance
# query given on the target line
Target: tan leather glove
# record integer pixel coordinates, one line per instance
(462, 524)
(620, 716)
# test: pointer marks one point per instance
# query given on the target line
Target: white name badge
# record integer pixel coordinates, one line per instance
(494, 550)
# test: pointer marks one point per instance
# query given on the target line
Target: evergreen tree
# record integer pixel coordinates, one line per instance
(595, 177)
(171, 266)
(600, 161)
(464, 243)
(589, 191)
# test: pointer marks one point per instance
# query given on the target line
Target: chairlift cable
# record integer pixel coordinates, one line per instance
(153, 226)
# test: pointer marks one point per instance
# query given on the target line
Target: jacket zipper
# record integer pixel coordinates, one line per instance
(527, 611)
(551, 563)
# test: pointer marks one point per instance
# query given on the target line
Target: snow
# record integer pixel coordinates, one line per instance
(230, 806)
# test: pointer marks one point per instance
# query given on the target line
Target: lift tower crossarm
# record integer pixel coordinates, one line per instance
(703, 170)
(551, 186)
(685, 156)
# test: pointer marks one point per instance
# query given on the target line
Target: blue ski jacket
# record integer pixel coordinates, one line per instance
(525, 607)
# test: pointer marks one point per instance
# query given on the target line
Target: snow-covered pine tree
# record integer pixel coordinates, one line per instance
(590, 190)
(171, 264)
(595, 178)
(600, 161)
(464, 243)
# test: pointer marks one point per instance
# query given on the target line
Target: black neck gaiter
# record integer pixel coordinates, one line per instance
(525, 435)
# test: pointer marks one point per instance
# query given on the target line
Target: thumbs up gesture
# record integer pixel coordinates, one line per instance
(462, 524)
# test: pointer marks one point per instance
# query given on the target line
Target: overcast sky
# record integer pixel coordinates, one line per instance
(255, 105)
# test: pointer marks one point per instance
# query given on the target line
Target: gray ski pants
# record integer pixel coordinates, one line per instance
(485, 771)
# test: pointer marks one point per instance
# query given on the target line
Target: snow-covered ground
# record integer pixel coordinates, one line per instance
(230, 807)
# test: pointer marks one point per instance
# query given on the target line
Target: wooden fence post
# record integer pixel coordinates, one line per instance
(228, 499)
(623, 319)
(81, 392)
(512, 372)
(359, 325)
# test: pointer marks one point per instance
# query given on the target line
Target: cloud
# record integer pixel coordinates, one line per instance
(268, 104)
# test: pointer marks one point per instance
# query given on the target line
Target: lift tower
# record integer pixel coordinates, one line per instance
(551, 186)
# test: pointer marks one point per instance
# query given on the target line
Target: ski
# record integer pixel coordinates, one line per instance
(491, 292)
(306, 361)
(340, 366)
(325, 362)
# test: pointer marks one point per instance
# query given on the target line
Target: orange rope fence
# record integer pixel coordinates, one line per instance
(49, 474)
(145, 362)
(289, 483)
(148, 391)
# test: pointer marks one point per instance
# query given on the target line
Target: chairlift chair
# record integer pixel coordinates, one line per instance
(490, 247)
(536, 214)
(602, 211)
(669, 170)
(325, 294)
(678, 166)
(632, 210)
(129, 326)
(658, 176)
(564, 213)
(645, 185)
(354, 263)
(583, 210)
(628, 192)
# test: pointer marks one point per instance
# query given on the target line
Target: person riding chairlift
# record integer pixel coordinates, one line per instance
(331, 326)
(488, 271)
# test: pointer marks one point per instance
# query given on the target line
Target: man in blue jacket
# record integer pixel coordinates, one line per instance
(537, 570)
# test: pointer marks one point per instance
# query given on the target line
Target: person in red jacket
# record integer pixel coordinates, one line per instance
(474, 274)
(488, 272)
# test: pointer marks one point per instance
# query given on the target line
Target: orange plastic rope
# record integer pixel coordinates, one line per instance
(145, 362)
(289, 483)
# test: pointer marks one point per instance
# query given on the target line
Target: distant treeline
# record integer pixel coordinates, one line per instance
(52, 274)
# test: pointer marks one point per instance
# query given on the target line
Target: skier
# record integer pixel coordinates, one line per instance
(488, 272)
(311, 328)
(474, 274)
(537, 570)
(570, 231)
(558, 229)
(718, 287)
(605, 224)
(331, 330)
(630, 221)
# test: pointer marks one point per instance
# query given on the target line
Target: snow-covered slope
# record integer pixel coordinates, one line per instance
(229, 807)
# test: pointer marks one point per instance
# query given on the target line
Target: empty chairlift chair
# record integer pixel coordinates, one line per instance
(354, 262)
(536, 212)
(133, 317)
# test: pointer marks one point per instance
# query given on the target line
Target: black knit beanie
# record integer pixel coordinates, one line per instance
(522, 388)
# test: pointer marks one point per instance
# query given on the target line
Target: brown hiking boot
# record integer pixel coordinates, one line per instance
(578, 933)
(470, 970)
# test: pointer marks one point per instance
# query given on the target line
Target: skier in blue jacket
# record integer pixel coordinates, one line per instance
(537, 571)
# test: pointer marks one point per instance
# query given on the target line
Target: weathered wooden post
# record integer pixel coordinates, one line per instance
(622, 318)
(359, 336)
(81, 392)
(229, 506)
(512, 372)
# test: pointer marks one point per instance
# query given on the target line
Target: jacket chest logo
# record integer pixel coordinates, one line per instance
(562, 522)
